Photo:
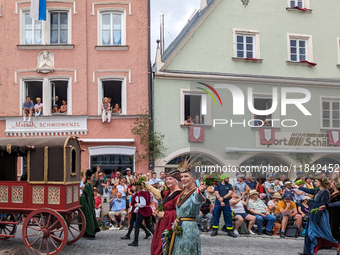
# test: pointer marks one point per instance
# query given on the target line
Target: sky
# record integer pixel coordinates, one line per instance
(176, 15)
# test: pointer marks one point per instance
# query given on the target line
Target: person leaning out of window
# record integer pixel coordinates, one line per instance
(38, 107)
(55, 109)
(106, 115)
(116, 109)
(63, 107)
(27, 109)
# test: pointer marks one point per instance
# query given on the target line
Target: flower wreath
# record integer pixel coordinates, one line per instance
(325, 181)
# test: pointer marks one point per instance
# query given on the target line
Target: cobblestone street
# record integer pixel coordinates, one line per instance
(108, 242)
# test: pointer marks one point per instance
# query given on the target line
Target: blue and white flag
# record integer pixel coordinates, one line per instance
(38, 9)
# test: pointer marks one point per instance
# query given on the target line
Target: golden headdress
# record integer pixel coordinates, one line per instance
(184, 167)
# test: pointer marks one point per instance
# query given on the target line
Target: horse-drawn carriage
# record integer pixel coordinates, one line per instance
(47, 200)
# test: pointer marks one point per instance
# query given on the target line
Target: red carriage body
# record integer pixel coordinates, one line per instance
(49, 199)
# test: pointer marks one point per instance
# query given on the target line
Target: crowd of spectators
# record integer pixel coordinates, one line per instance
(249, 206)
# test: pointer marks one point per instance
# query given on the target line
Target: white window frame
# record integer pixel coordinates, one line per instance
(46, 92)
(338, 47)
(46, 25)
(122, 12)
(256, 40)
(23, 30)
(309, 45)
(305, 4)
(122, 79)
(185, 92)
(330, 100)
(276, 123)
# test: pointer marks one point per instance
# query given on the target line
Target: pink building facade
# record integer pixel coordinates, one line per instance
(83, 52)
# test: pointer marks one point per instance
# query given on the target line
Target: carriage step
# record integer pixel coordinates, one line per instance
(8, 223)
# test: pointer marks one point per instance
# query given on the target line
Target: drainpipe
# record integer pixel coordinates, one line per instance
(150, 79)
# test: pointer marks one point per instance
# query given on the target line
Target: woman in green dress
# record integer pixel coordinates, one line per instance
(87, 203)
(188, 207)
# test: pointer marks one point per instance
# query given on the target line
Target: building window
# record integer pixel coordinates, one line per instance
(195, 106)
(34, 89)
(59, 27)
(298, 50)
(59, 96)
(112, 28)
(56, 29)
(330, 114)
(298, 3)
(33, 30)
(110, 163)
(262, 104)
(113, 91)
(246, 44)
(73, 164)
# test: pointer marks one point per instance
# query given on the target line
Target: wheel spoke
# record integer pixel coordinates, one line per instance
(31, 235)
(51, 240)
(75, 229)
(48, 220)
(55, 237)
(52, 225)
(37, 222)
(48, 251)
(72, 235)
(36, 229)
(34, 241)
(57, 230)
(42, 219)
(42, 241)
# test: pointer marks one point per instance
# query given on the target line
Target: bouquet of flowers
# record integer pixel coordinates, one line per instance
(167, 235)
(141, 180)
(211, 179)
(160, 208)
(315, 210)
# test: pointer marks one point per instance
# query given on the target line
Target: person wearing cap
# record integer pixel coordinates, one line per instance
(100, 183)
(128, 175)
(87, 206)
(223, 192)
(249, 181)
(269, 188)
(55, 109)
(240, 187)
(318, 230)
(286, 210)
(298, 194)
(169, 199)
(154, 179)
(262, 213)
(288, 191)
(272, 204)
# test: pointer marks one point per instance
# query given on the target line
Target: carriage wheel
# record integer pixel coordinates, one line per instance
(76, 225)
(43, 235)
(7, 229)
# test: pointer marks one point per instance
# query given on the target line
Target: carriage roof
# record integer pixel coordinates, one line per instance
(53, 160)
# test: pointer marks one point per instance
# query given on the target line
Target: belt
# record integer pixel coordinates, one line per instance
(178, 220)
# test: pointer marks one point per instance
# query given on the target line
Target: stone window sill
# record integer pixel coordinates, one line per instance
(298, 63)
(299, 10)
(112, 47)
(206, 126)
(46, 47)
(328, 129)
(259, 128)
(253, 60)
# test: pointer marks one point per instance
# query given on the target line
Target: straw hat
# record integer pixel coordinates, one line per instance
(253, 192)
(95, 189)
(277, 195)
(287, 183)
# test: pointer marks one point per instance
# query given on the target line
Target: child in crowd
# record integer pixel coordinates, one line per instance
(277, 186)
(288, 191)
(299, 194)
(107, 190)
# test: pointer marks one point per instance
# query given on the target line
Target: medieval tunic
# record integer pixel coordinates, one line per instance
(87, 203)
(189, 242)
(169, 203)
(318, 230)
